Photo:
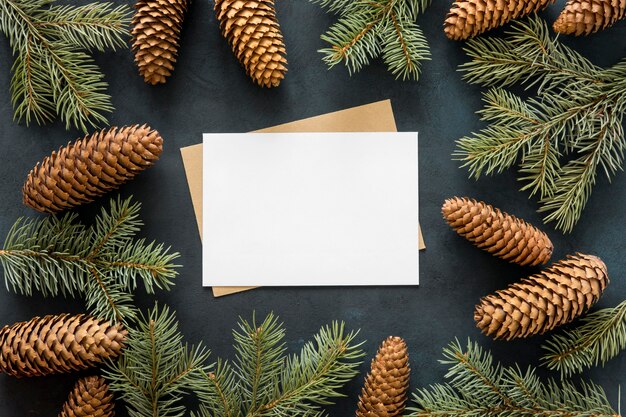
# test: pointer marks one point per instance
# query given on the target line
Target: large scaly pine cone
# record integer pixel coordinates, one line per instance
(582, 17)
(89, 398)
(386, 385)
(468, 18)
(156, 36)
(58, 344)
(545, 300)
(496, 232)
(90, 167)
(254, 34)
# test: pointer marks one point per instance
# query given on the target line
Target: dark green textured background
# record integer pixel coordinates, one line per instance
(209, 92)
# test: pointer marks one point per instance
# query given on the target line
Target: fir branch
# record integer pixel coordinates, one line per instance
(600, 337)
(52, 75)
(478, 387)
(102, 263)
(562, 137)
(366, 29)
(265, 382)
(157, 369)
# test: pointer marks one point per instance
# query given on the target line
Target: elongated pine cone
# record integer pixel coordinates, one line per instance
(254, 34)
(58, 344)
(468, 18)
(90, 167)
(89, 398)
(156, 37)
(496, 232)
(545, 300)
(386, 385)
(582, 17)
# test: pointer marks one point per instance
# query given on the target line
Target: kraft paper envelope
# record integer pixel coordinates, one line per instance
(374, 117)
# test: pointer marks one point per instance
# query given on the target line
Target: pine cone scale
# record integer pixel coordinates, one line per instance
(156, 37)
(90, 167)
(58, 344)
(469, 18)
(384, 393)
(496, 232)
(583, 17)
(550, 298)
(90, 397)
(252, 30)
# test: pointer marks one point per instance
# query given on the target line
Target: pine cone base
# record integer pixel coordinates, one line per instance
(384, 393)
(89, 398)
(496, 232)
(543, 301)
(252, 30)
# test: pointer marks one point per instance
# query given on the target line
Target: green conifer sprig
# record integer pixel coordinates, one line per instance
(600, 337)
(157, 369)
(479, 387)
(564, 136)
(368, 29)
(264, 381)
(53, 74)
(102, 263)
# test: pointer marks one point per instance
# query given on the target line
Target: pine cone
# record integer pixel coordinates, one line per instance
(545, 300)
(582, 17)
(496, 232)
(91, 167)
(156, 34)
(468, 18)
(385, 391)
(58, 344)
(254, 34)
(89, 398)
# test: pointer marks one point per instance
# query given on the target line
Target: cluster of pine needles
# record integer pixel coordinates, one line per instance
(564, 136)
(369, 29)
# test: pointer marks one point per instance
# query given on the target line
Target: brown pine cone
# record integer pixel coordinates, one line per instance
(496, 232)
(254, 34)
(90, 167)
(89, 398)
(582, 17)
(58, 344)
(545, 300)
(468, 18)
(156, 36)
(386, 385)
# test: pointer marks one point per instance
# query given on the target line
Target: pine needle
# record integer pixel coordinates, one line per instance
(52, 72)
(600, 337)
(479, 387)
(366, 30)
(561, 138)
(102, 263)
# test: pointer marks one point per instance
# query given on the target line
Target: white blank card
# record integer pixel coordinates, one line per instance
(310, 209)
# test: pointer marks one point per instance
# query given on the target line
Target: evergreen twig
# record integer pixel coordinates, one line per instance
(600, 337)
(264, 381)
(157, 369)
(562, 137)
(479, 387)
(103, 263)
(367, 29)
(52, 72)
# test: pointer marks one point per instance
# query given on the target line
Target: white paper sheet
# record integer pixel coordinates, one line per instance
(304, 209)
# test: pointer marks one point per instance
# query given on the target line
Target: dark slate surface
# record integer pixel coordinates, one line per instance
(210, 93)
